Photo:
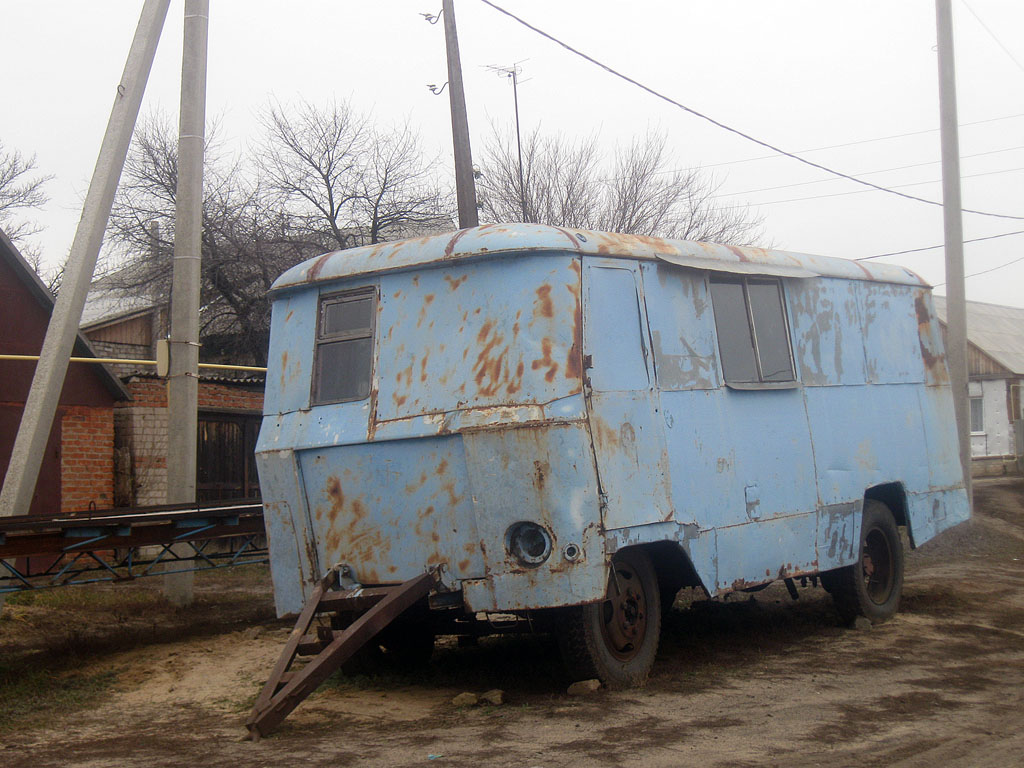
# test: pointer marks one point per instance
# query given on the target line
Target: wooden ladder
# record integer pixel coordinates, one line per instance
(287, 688)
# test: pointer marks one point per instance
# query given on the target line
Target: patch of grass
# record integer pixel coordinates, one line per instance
(89, 598)
(240, 577)
(33, 694)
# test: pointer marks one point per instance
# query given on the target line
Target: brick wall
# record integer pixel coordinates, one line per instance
(86, 458)
(146, 393)
(142, 455)
(214, 396)
(123, 351)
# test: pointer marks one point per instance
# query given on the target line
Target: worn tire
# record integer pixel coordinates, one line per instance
(872, 586)
(616, 639)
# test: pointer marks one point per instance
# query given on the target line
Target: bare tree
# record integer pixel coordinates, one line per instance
(346, 182)
(561, 183)
(21, 190)
(640, 191)
(246, 241)
(324, 179)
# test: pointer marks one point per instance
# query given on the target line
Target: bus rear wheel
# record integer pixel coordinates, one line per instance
(615, 640)
(872, 586)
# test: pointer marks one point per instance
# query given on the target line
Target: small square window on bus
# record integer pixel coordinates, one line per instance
(343, 362)
(753, 338)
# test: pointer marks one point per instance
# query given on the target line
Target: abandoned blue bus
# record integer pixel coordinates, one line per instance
(570, 426)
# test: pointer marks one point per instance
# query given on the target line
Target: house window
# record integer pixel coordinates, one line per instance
(344, 346)
(753, 335)
(977, 414)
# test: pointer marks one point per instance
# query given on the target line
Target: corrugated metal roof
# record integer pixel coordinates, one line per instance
(241, 379)
(109, 300)
(496, 240)
(996, 330)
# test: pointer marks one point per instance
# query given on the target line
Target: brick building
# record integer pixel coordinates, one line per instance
(77, 468)
(127, 325)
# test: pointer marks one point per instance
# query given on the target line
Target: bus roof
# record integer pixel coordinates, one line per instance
(499, 240)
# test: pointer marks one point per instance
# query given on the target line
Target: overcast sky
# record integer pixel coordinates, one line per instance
(800, 75)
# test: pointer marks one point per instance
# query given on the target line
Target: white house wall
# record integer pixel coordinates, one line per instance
(997, 437)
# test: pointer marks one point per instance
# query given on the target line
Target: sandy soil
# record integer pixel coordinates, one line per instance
(745, 682)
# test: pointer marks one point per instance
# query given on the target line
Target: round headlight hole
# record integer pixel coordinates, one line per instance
(528, 543)
(572, 552)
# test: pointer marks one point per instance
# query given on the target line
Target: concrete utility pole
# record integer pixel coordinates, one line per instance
(48, 380)
(465, 185)
(956, 293)
(183, 374)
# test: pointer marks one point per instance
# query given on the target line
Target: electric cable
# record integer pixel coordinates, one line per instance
(729, 128)
(865, 191)
(986, 271)
(862, 141)
(865, 173)
(993, 36)
(934, 247)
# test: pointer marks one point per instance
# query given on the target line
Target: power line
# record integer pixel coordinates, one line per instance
(866, 173)
(986, 271)
(728, 128)
(861, 141)
(993, 36)
(935, 247)
(866, 191)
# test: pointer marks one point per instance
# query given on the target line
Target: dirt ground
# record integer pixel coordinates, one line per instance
(750, 681)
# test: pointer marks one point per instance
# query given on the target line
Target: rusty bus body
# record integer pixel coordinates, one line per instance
(524, 406)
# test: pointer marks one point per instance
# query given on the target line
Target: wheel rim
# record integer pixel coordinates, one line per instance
(624, 613)
(877, 566)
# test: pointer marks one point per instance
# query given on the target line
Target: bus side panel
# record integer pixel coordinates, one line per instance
(892, 343)
(294, 567)
(480, 335)
(824, 316)
(290, 357)
(766, 550)
(933, 512)
(738, 457)
(865, 436)
(944, 469)
(946, 504)
(389, 509)
(544, 475)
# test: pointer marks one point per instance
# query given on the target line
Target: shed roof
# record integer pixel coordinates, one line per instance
(495, 240)
(10, 253)
(996, 330)
(109, 300)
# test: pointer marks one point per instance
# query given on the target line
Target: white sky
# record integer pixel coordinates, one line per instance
(800, 74)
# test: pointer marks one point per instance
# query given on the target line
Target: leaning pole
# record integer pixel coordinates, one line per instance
(48, 380)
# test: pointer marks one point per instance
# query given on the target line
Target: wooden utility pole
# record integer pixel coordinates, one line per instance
(183, 374)
(956, 292)
(48, 380)
(465, 184)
